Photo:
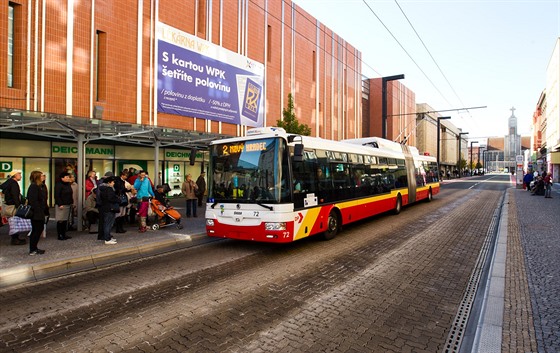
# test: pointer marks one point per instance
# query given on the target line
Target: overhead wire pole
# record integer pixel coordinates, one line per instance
(438, 134)
(384, 81)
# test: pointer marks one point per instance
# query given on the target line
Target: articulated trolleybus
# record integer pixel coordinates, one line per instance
(273, 186)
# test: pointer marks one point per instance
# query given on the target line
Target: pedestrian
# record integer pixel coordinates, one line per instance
(12, 200)
(37, 195)
(527, 179)
(538, 187)
(100, 235)
(91, 182)
(122, 187)
(63, 199)
(144, 191)
(110, 206)
(188, 189)
(91, 212)
(201, 183)
(74, 213)
(548, 185)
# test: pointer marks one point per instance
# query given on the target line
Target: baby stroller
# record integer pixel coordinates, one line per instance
(166, 215)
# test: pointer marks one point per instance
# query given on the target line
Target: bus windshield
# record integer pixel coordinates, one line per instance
(248, 171)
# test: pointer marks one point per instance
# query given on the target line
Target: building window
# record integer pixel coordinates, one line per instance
(201, 17)
(314, 58)
(100, 66)
(10, 63)
(269, 43)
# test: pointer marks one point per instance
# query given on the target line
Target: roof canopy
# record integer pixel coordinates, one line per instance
(15, 123)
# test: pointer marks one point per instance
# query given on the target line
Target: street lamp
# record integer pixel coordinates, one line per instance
(478, 159)
(459, 151)
(484, 161)
(470, 165)
(384, 81)
(438, 133)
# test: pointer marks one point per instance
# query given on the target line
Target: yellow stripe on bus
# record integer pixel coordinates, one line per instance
(309, 219)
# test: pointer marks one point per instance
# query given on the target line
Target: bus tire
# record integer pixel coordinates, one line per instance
(333, 225)
(430, 196)
(398, 205)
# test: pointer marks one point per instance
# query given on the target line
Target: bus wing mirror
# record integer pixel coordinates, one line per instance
(298, 152)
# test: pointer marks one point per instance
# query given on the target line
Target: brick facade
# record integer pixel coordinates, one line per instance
(303, 57)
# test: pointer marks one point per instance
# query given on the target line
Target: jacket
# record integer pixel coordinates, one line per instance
(188, 188)
(63, 194)
(107, 198)
(201, 183)
(144, 188)
(37, 199)
(12, 192)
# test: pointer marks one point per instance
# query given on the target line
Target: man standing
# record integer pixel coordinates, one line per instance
(201, 183)
(12, 200)
(109, 207)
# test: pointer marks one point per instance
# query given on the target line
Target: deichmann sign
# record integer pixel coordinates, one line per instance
(6, 166)
(91, 151)
(171, 155)
(200, 79)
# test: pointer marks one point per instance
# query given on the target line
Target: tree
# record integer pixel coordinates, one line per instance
(290, 122)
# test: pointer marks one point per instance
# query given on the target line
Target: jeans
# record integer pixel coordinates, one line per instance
(108, 221)
(191, 206)
(547, 190)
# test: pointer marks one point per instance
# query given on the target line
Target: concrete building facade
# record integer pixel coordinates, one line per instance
(549, 129)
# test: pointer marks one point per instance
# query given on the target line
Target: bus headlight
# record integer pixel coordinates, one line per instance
(275, 226)
(209, 222)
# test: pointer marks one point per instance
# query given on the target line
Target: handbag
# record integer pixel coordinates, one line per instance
(124, 200)
(8, 210)
(24, 211)
(115, 208)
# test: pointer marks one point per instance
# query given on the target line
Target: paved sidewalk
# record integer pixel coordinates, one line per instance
(85, 252)
(539, 228)
(521, 310)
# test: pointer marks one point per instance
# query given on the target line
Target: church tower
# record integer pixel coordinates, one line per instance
(512, 142)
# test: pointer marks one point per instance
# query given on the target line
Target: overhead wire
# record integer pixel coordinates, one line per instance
(431, 56)
(341, 42)
(406, 52)
(337, 39)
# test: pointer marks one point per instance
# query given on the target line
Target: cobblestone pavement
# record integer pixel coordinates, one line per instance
(368, 290)
(390, 284)
(518, 330)
(539, 230)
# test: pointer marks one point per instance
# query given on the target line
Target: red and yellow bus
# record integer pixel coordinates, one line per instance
(273, 186)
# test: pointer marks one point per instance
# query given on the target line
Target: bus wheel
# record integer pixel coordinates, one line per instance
(430, 196)
(332, 226)
(398, 205)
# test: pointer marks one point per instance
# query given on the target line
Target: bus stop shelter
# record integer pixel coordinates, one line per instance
(24, 124)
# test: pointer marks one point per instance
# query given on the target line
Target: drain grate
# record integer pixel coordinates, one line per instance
(456, 334)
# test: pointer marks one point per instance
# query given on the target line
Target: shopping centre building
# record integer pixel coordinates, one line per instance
(108, 85)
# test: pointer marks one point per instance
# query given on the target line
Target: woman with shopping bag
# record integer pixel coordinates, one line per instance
(37, 198)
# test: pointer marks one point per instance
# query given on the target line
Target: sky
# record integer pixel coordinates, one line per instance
(454, 54)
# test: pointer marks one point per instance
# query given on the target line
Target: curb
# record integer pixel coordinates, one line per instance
(52, 269)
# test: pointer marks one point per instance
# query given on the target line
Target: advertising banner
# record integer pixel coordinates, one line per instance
(200, 79)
